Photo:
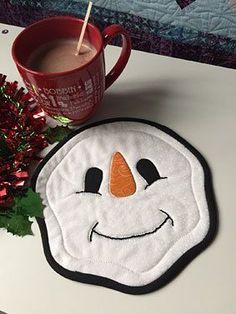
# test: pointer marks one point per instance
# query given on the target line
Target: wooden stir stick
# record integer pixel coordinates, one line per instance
(81, 37)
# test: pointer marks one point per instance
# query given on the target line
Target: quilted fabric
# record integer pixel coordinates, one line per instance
(215, 17)
(203, 31)
(132, 238)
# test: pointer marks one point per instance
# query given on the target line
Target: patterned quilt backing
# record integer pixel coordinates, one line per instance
(197, 30)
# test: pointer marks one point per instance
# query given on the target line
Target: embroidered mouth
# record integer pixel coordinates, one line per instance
(138, 235)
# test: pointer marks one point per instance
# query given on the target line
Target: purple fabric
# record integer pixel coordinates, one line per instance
(184, 3)
(189, 52)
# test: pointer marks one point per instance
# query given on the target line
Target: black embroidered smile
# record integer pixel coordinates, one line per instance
(139, 235)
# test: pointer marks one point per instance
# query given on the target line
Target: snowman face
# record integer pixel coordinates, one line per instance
(124, 201)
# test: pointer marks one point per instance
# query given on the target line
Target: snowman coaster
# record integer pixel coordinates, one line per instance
(128, 203)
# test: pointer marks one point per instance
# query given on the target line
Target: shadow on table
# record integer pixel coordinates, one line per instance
(143, 101)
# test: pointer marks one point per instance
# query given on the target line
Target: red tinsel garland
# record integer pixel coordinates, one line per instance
(21, 138)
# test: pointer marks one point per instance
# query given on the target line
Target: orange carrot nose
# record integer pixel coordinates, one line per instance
(121, 179)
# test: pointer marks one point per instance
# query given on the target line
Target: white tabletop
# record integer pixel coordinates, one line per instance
(197, 101)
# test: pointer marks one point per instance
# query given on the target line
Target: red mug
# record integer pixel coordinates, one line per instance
(70, 96)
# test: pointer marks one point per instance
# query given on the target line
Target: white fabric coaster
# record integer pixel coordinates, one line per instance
(127, 202)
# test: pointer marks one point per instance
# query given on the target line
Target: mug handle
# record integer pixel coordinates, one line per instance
(109, 33)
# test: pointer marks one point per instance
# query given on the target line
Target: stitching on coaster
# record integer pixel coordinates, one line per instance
(121, 181)
(109, 262)
(139, 235)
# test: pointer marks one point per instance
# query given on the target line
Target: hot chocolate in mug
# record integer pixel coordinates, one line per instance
(70, 96)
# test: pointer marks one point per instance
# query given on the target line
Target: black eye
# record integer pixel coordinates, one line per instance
(93, 180)
(148, 171)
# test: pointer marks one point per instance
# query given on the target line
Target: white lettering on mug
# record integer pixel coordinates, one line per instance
(61, 91)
